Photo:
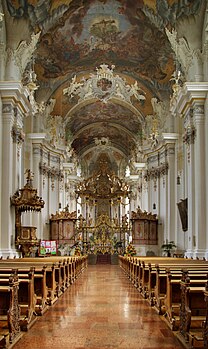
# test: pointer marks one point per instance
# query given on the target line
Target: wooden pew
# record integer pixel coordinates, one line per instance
(60, 272)
(160, 288)
(205, 323)
(192, 312)
(9, 312)
(26, 297)
(172, 299)
(39, 283)
(52, 286)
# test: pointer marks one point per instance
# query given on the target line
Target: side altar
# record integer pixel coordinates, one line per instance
(63, 227)
(144, 228)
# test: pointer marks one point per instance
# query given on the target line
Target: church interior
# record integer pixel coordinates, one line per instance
(103, 151)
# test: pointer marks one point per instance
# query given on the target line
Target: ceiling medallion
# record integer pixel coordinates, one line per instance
(104, 85)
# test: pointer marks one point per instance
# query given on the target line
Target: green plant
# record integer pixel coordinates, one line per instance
(168, 247)
(130, 250)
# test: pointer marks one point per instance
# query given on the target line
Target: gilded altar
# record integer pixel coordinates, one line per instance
(105, 236)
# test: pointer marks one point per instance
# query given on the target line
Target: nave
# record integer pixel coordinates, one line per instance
(100, 310)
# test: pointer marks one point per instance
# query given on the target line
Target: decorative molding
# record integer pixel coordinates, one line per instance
(52, 173)
(189, 135)
(7, 108)
(17, 134)
(156, 172)
(1, 17)
(24, 52)
(181, 48)
(18, 137)
(198, 109)
(104, 85)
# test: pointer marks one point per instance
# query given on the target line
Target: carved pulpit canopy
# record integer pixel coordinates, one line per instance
(26, 199)
(139, 214)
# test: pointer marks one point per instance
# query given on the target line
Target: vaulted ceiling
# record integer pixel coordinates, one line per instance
(77, 37)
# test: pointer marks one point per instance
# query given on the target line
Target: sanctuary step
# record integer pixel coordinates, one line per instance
(103, 259)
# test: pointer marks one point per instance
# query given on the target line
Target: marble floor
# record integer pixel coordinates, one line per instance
(100, 310)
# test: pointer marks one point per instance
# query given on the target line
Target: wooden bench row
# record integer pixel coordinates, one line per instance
(162, 280)
(39, 282)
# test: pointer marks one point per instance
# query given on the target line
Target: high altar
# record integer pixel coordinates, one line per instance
(100, 223)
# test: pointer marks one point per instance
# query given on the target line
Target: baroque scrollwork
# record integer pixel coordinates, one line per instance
(189, 135)
(52, 173)
(181, 48)
(156, 172)
(24, 51)
(17, 134)
(103, 86)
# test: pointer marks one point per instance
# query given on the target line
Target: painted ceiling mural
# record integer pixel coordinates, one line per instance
(77, 37)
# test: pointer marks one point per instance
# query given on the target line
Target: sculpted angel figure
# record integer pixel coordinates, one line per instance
(134, 89)
(72, 90)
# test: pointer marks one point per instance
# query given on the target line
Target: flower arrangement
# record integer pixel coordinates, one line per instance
(130, 250)
(77, 251)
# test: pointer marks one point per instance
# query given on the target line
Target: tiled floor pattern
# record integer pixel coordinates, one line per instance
(101, 310)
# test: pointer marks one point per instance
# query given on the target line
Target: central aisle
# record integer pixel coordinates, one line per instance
(100, 310)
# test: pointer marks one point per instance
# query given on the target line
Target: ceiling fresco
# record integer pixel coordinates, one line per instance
(109, 112)
(77, 37)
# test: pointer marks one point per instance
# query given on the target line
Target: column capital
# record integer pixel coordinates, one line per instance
(198, 113)
(14, 93)
(190, 93)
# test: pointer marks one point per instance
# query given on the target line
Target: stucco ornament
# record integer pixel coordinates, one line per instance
(104, 85)
(24, 51)
(1, 17)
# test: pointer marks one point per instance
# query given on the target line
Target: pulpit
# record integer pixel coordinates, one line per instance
(144, 228)
(24, 200)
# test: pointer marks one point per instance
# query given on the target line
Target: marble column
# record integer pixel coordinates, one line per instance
(170, 231)
(200, 211)
(191, 198)
(7, 213)
(171, 210)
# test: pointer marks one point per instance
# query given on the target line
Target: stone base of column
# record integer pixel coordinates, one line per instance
(11, 253)
(196, 254)
(146, 250)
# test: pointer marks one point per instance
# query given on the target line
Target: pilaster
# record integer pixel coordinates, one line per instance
(188, 139)
(170, 141)
(200, 211)
(191, 99)
(14, 108)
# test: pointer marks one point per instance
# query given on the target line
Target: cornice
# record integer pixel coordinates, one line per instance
(39, 139)
(16, 93)
(190, 94)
